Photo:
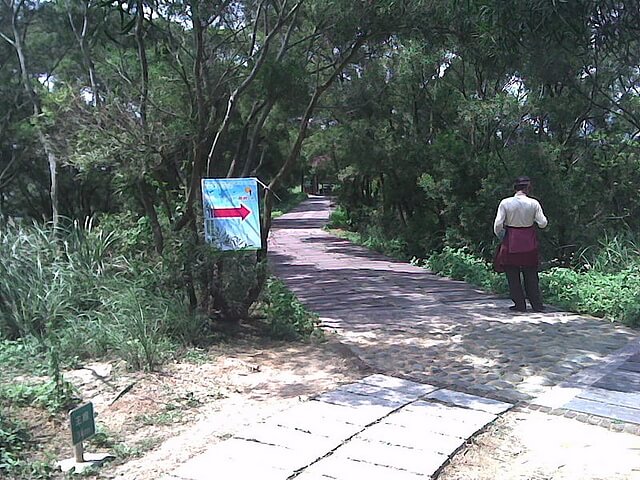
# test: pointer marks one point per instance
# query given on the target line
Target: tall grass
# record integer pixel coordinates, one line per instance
(613, 253)
(71, 292)
(135, 326)
(287, 318)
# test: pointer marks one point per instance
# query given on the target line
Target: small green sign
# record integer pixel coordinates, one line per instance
(82, 423)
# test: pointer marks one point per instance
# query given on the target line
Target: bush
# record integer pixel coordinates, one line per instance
(339, 218)
(614, 296)
(460, 264)
(286, 316)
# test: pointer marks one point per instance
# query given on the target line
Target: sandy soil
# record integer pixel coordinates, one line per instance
(529, 445)
(154, 421)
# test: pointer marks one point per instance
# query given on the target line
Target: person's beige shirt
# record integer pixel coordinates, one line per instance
(518, 211)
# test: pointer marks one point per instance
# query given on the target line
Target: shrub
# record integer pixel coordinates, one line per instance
(615, 296)
(460, 264)
(287, 317)
(339, 218)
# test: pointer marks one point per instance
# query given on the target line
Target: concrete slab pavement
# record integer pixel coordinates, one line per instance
(379, 427)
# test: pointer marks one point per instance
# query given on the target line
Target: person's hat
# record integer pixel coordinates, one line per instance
(521, 183)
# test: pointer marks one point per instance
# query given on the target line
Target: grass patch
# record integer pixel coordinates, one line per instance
(394, 248)
(45, 395)
(371, 236)
(614, 296)
(104, 439)
(460, 264)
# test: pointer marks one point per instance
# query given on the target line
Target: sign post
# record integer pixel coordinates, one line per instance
(83, 427)
(231, 213)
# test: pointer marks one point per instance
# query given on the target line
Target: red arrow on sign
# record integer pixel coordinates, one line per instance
(242, 212)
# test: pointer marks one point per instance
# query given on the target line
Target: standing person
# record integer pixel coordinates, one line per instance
(518, 252)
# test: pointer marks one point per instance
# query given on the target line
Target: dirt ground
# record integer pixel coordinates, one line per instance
(153, 421)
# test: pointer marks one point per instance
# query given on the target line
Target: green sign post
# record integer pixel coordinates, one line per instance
(83, 427)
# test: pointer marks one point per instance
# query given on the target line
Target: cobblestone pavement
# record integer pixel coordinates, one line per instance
(450, 359)
(404, 321)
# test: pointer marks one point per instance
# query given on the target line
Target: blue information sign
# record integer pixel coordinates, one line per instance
(231, 213)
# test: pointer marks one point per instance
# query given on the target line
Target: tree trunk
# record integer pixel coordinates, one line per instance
(255, 138)
(150, 211)
(52, 161)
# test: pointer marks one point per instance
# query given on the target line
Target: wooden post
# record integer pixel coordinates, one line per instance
(79, 452)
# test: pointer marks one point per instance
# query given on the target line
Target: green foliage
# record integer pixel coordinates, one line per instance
(78, 297)
(24, 355)
(460, 264)
(339, 219)
(615, 296)
(124, 451)
(15, 448)
(135, 326)
(373, 237)
(425, 128)
(286, 316)
(613, 253)
(14, 440)
(104, 439)
(45, 395)
(35, 290)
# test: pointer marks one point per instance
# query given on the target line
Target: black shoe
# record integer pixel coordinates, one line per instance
(516, 308)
